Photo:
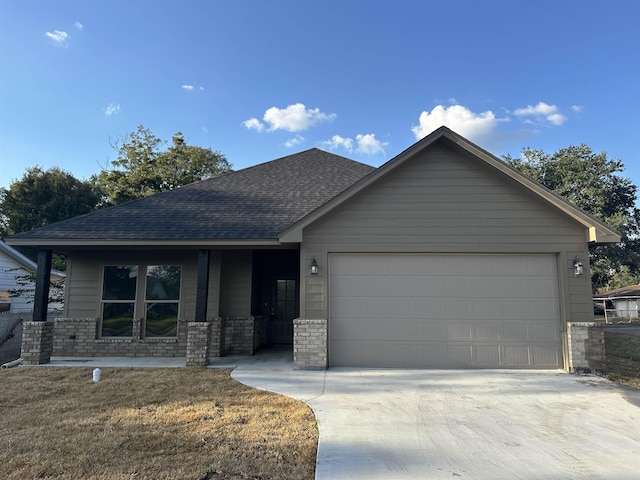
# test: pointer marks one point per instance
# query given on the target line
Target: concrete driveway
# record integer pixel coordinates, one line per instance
(475, 424)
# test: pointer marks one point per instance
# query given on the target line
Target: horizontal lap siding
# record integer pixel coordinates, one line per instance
(444, 201)
(84, 281)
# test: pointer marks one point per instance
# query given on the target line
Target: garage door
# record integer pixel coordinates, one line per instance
(444, 311)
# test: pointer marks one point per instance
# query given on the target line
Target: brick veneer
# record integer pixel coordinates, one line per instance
(310, 344)
(37, 342)
(77, 337)
(198, 343)
(222, 336)
(586, 348)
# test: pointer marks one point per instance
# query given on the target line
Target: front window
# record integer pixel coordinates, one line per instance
(124, 294)
(162, 299)
(119, 286)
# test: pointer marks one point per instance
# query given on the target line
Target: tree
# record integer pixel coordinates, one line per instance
(42, 197)
(142, 168)
(592, 182)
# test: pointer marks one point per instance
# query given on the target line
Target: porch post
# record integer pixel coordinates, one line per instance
(43, 277)
(202, 287)
(37, 335)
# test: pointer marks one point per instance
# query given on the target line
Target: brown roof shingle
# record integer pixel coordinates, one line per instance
(256, 203)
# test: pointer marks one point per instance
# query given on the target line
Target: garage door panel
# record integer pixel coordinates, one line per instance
(486, 355)
(456, 311)
(516, 355)
(458, 330)
(546, 355)
(487, 330)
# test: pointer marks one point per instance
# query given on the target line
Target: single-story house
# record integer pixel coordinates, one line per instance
(620, 303)
(444, 257)
(13, 266)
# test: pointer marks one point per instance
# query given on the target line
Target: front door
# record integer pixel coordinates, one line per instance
(284, 309)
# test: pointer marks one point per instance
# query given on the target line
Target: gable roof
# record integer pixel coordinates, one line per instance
(252, 205)
(23, 261)
(599, 232)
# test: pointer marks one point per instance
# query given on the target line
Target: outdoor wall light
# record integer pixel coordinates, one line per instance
(578, 267)
(314, 266)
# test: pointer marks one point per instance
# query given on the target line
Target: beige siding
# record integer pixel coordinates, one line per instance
(235, 291)
(84, 281)
(442, 201)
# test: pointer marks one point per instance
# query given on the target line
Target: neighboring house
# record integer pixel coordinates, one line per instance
(620, 304)
(12, 266)
(445, 256)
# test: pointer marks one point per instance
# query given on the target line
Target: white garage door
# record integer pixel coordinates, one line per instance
(444, 311)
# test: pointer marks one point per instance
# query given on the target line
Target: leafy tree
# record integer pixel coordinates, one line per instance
(42, 197)
(26, 287)
(593, 182)
(142, 168)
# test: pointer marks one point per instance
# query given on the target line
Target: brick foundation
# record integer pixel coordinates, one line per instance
(239, 335)
(309, 344)
(37, 342)
(586, 349)
(78, 337)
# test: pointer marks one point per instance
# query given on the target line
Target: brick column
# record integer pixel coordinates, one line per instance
(217, 337)
(198, 343)
(309, 344)
(586, 347)
(37, 342)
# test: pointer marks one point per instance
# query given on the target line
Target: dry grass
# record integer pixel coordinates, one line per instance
(184, 423)
(624, 370)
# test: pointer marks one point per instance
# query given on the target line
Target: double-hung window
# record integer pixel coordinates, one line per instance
(128, 289)
(119, 285)
(162, 300)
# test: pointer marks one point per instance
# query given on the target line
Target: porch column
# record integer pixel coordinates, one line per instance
(37, 335)
(202, 287)
(43, 278)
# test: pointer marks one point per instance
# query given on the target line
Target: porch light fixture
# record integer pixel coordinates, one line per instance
(314, 266)
(578, 267)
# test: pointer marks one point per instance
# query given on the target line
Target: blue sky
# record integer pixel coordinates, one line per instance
(259, 79)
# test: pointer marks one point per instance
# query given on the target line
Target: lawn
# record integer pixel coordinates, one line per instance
(182, 423)
(623, 358)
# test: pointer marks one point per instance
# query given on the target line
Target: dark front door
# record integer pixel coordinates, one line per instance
(284, 309)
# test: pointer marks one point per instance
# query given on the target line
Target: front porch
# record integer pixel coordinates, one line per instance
(231, 302)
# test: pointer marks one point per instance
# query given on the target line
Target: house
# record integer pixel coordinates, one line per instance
(620, 303)
(444, 256)
(14, 265)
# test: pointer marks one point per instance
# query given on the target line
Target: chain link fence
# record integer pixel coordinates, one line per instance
(11, 332)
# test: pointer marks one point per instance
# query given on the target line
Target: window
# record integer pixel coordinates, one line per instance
(122, 289)
(119, 286)
(162, 299)
(5, 301)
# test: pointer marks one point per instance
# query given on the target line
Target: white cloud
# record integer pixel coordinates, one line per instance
(190, 88)
(369, 144)
(112, 109)
(474, 126)
(58, 37)
(78, 26)
(294, 118)
(541, 112)
(253, 124)
(577, 108)
(337, 141)
(366, 144)
(292, 142)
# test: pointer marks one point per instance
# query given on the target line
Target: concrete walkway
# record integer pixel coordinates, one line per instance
(443, 424)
